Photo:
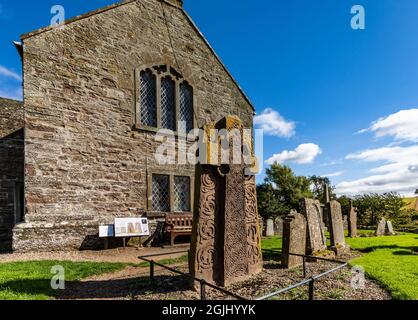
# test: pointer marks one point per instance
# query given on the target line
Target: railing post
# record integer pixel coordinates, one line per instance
(304, 267)
(311, 289)
(151, 271)
(202, 290)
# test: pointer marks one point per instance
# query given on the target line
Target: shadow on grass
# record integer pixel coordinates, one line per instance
(100, 289)
(409, 249)
(402, 253)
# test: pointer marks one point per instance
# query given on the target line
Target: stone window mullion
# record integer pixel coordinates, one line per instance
(159, 101)
(171, 193)
(177, 100)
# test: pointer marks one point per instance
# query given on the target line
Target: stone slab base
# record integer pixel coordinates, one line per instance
(63, 236)
(341, 250)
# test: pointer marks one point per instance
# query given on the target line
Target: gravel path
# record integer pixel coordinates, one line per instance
(133, 283)
(127, 255)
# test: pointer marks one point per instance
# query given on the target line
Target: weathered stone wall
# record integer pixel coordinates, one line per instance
(11, 165)
(84, 160)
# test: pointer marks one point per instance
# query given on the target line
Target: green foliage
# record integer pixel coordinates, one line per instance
(282, 190)
(269, 204)
(318, 183)
(345, 204)
(32, 280)
(372, 207)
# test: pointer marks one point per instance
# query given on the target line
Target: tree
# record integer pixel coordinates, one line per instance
(269, 204)
(416, 192)
(372, 207)
(318, 184)
(286, 187)
(345, 204)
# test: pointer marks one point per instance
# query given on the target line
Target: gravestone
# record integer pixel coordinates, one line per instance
(278, 226)
(315, 240)
(389, 228)
(294, 239)
(261, 225)
(381, 228)
(326, 199)
(226, 242)
(352, 221)
(270, 228)
(336, 228)
(345, 222)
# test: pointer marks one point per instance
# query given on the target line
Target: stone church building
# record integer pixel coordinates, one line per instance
(80, 151)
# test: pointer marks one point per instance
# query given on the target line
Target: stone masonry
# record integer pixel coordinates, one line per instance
(85, 161)
(11, 169)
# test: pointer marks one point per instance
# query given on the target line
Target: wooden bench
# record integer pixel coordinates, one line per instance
(178, 224)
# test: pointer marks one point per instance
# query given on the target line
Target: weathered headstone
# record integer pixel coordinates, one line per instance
(327, 199)
(316, 241)
(294, 239)
(278, 226)
(336, 227)
(345, 222)
(389, 228)
(352, 221)
(226, 242)
(381, 228)
(270, 228)
(261, 225)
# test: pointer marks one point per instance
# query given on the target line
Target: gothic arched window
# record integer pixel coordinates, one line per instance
(165, 100)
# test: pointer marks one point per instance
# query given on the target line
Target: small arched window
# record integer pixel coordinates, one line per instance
(165, 100)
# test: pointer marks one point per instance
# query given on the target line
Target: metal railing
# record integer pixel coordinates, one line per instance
(309, 282)
(203, 283)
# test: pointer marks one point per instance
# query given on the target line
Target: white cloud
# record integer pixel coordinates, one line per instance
(10, 74)
(398, 171)
(398, 165)
(15, 94)
(334, 174)
(274, 124)
(402, 125)
(303, 154)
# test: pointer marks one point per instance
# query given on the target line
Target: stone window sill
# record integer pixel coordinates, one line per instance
(153, 214)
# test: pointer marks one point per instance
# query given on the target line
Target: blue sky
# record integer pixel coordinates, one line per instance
(314, 81)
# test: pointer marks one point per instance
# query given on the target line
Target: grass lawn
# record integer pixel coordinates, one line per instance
(388, 260)
(32, 280)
